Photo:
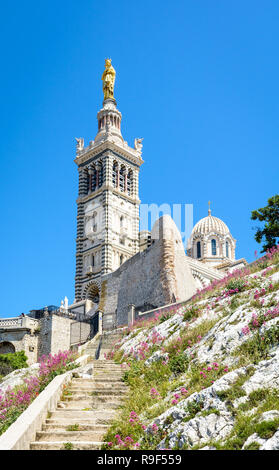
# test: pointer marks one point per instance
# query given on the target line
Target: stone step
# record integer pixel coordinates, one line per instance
(57, 425)
(60, 445)
(99, 387)
(69, 436)
(83, 405)
(105, 361)
(108, 366)
(102, 375)
(75, 414)
(90, 400)
(110, 342)
(95, 395)
(108, 373)
(96, 392)
(90, 404)
(104, 379)
(105, 386)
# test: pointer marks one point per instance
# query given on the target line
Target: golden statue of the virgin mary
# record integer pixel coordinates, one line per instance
(108, 78)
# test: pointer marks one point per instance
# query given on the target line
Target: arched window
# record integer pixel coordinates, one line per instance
(227, 249)
(198, 249)
(87, 182)
(213, 247)
(130, 183)
(114, 174)
(122, 178)
(96, 176)
(92, 293)
(121, 259)
(93, 179)
(100, 175)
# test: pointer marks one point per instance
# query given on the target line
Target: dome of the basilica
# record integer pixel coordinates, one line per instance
(210, 224)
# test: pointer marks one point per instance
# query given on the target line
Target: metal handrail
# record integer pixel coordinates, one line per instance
(98, 350)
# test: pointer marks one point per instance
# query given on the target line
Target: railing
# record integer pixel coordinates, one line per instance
(83, 331)
(10, 322)
(19, 322)
(109, 321)
(98, 350)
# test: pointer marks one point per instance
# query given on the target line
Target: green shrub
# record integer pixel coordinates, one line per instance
(68, 446)
(166, 316)
(266, 429)
(5, 369)
(236, 390)
(12, 361)
(238, 284)
(252, 446)
(210, 411)
(178, 364)
(73, 427)
(193, 407)
(190, 313)
(257, 348)
(254, 398)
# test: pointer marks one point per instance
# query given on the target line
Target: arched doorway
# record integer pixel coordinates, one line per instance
(6, 347)
(92, 293)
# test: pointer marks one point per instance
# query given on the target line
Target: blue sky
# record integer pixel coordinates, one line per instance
(198, 79)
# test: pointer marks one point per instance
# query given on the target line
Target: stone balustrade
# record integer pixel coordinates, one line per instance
(19, 322)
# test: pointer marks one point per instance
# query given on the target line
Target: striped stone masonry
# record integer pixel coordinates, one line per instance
(107, 205)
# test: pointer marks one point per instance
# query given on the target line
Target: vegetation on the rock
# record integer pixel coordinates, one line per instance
(14, 401)
(12, 361)
(197, 363)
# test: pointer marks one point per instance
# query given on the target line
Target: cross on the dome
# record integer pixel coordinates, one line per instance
(209, 210)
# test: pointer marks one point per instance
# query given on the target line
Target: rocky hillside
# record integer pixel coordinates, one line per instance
(205, 375)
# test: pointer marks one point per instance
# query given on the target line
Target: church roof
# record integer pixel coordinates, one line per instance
(210, 224)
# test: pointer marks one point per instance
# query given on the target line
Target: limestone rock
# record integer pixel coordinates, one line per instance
(16, 378)
(272, 443)
(253, 438)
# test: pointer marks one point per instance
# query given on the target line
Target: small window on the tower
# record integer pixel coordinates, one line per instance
(213, 247)
(93, 179)
(114, 174)
(122, 178)
(100, 175)
(130, 183)
(198, 249)
(87, 181)
(121, 259)
(227, 249)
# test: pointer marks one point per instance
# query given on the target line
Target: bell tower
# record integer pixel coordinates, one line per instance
(108, 199)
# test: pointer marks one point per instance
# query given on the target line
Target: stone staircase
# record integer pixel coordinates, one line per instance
(86, 409)
(104, 344)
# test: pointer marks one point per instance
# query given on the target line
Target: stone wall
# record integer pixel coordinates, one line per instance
(154, 277)
(55, 334)
(22, 333)
(50, 334)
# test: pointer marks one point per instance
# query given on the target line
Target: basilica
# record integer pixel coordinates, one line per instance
(122, 275)
(119, 268)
